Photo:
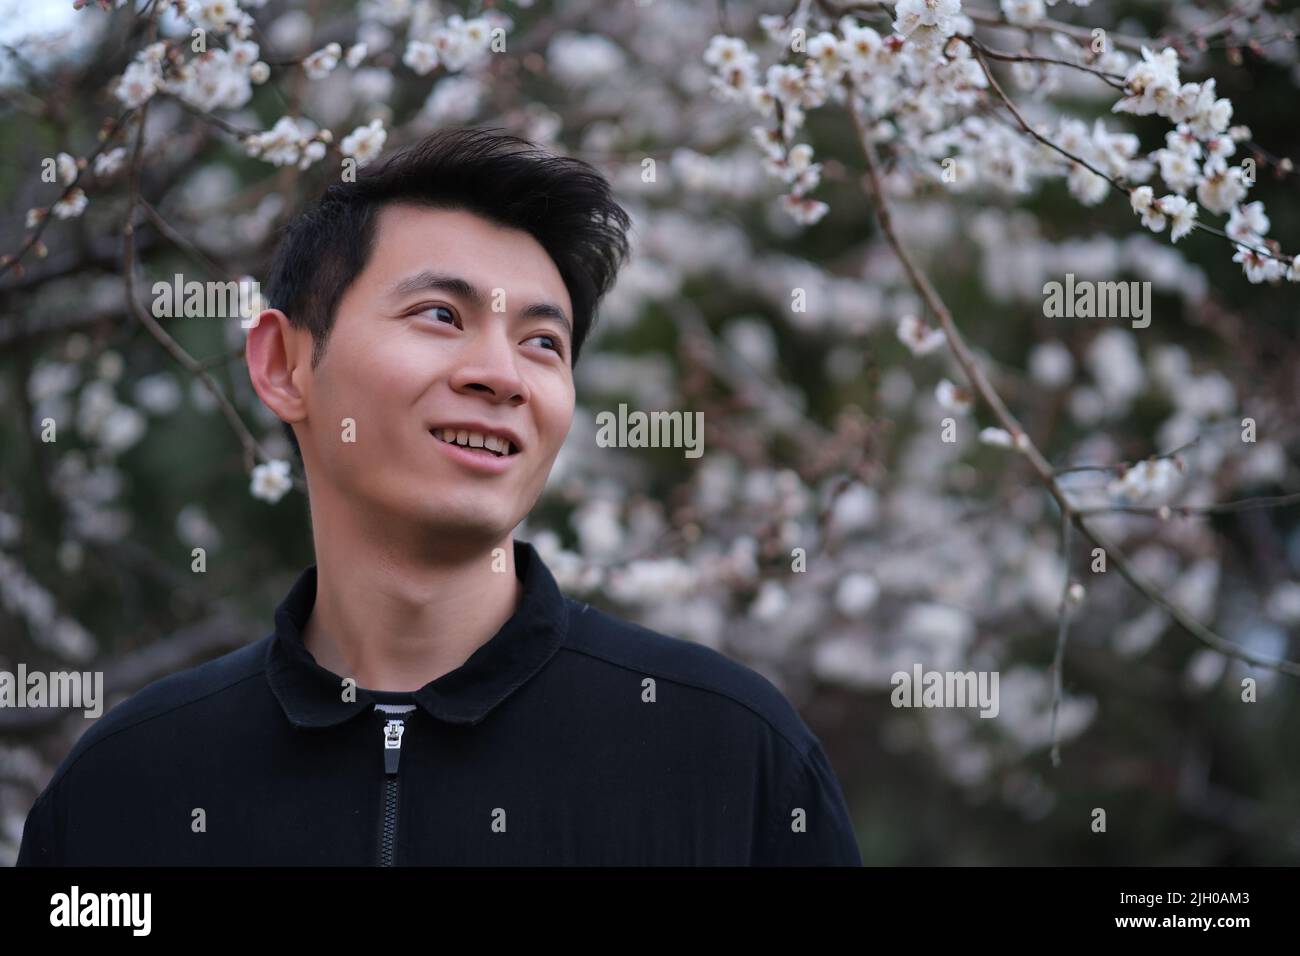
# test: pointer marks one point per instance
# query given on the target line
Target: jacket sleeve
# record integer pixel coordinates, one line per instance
(810, 823)
(38, 845)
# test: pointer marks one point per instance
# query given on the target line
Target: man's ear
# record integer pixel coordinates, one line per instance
(279, 361)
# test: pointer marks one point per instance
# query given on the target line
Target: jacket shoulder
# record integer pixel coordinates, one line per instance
(625, 644)
(167, 695)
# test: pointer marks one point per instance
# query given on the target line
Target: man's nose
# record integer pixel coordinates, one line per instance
(490, 364)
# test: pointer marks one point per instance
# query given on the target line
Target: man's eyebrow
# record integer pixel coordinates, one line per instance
(453, 285)
(547, 310)
(464, 289)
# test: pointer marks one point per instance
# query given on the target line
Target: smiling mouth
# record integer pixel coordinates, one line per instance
(490, 445)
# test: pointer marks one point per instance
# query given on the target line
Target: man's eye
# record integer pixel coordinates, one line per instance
(438, 308)
(555, 342)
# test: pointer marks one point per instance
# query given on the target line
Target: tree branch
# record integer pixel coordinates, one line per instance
(253, 451)
(979, 51)
(1009, 422)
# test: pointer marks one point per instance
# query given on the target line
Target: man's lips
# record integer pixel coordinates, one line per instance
(479, 434)
(478, 459)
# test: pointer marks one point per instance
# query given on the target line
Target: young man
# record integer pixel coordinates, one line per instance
(428, 695)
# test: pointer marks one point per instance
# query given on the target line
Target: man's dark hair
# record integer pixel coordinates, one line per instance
(563, 203)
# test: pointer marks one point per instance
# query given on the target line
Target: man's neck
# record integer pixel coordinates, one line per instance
(395, 625)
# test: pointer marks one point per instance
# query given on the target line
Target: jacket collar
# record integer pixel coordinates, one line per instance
(312, 696)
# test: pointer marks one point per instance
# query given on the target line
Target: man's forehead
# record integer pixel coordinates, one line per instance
(453, 232)
(452, 242)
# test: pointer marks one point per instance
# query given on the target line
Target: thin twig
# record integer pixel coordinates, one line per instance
(1194, 627)
(1062, 631)
(1117, 184)
(253, 451)
(1109, 78)
(1126, 465)
(1045, 25)
(978, 50)
(11, 261)
(1184, 511)
(170, 231)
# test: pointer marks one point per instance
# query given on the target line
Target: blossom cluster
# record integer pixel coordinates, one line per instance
(920, 88)
(1196, 157)
(455, 45)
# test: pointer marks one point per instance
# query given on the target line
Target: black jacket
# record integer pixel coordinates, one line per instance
(571, 737)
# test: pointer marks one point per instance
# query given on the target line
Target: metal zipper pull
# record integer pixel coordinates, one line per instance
(393, 730)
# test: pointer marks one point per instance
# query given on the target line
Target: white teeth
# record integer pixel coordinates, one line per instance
(469, 439)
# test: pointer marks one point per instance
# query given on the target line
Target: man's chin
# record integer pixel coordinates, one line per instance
(468, 526)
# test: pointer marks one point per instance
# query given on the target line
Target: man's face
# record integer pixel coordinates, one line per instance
(407, 359)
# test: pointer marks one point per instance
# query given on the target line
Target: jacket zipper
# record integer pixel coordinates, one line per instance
(393, 730)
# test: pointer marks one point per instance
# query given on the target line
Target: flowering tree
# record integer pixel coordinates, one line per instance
(873, 247)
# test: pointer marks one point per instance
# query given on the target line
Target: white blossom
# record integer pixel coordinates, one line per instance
(122, 427)
(652, 580)
(1181, 213)
(951, 397)
(830, 53)
(71, 205)
(213, 82)
(919, 338)
(455, 99)
(1248, 223)
(372, 84)
(195, 529)
(390, 12)
(271, 480)
(158, 394)
(1023, 11)
(459, 43)
(67, 168)
(311, 153)
(1148, 481)
(1178, 170)
(996, 436)
(771, 602)
(862, 49)
(243, 53)
(282, 145)
(218, 15)
(579, 59)
(138, 83)
(856, 595)
(320, 64)
(805, 211)
(420, 57)
(365, 142)
(1222, 186)
(735, 67)
(1051, 364)
(1259, 267)
(1144, 204)
(1152, 84)
(927, 22)
(106, 164)
(1210, 114)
